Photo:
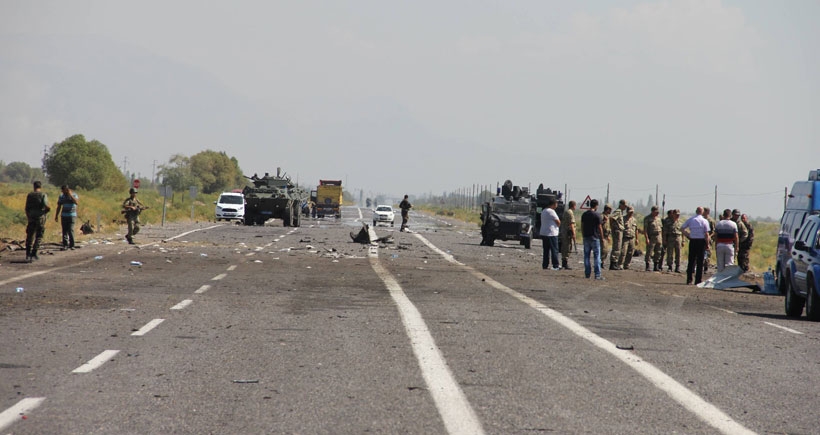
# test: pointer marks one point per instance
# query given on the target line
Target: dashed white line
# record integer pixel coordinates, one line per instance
(21, 408)
(148, 327)
(202, 289)
(457, 414)
(219, 277)
(704, 410)
(633, 283)
(721, 309)
(189, 232)
(231, 267)
(250, 253)
(182, 304)
(96, 361)
(784, 328)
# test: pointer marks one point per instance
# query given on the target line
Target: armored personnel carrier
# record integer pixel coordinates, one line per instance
(541, 197)
(273, 197)
(508, 216)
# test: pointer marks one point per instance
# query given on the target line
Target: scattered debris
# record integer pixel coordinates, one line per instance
(625, 347)
(729, 277)
(246, 381)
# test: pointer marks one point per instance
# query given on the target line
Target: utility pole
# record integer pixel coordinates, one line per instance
(153, 169)
(124, 163)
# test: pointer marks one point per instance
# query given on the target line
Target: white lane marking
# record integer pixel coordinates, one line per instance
(721, 309)
(40, 272)
(708, 413)
(96, 361)
(189, 232)
(218, 277)
(148, 327)
(231, 267)
(182, 304)
(784, 328)
(202, 289)
(457, 414)
(250, 253)
(19, 409)
(633, 283)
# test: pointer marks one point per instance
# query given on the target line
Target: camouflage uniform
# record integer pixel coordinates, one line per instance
(708, 254)
(567, 233)
(36, 210)
(653, 230)
(605, 236)
(628, 244)
(674, 241)
(616, 223)
(132, 216)
(744, 244)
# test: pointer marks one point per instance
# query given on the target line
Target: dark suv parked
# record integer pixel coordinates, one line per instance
(802, 272)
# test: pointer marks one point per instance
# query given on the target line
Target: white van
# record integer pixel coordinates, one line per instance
(230, 205)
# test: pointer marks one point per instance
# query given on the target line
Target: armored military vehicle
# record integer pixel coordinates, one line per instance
(508, 216)
(273, 197)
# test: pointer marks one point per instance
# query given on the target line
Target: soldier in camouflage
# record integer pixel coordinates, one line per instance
(36, 210)
(607, 232)
(630, 233)
(652, 230)
(745, 235)
(131, 208)
(616, 224)
(708, 254)
(567, 233)
(674, 241)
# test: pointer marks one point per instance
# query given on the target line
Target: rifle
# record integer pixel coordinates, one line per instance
(138, 210)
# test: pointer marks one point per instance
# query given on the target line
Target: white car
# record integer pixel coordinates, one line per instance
(230, 205)
(383, 214)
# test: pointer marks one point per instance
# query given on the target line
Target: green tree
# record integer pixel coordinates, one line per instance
(20, 172)
(84, 165)
(215, 171)
(177, 173)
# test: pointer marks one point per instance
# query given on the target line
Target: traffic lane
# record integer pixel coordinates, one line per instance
(319, 352)
(66, 317)
(521, 371)
(737, 362)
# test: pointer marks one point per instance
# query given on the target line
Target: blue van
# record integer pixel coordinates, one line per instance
(803, 201)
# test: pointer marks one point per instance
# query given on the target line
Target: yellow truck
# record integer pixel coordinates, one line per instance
(329, 198)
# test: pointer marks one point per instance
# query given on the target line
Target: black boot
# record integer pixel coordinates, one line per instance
(647, 267)
(564, 264)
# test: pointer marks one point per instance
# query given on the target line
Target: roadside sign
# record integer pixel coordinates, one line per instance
(192, 192)
(137, 183)
(585, 205)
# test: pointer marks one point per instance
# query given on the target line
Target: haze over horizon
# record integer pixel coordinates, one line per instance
(427, 97)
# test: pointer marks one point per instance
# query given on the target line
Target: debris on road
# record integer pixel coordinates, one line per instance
(729, 277)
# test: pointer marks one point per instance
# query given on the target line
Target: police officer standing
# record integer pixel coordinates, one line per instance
(567, 232)
(652, 229)
(616, 223)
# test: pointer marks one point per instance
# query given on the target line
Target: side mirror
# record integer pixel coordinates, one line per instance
(800, 245)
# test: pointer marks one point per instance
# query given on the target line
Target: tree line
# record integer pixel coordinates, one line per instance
(88, 165)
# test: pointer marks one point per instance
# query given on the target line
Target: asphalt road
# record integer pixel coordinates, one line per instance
(224, 328)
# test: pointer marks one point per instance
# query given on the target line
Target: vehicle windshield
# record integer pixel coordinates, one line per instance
(511, 207)
(231, 199)
(384, 208)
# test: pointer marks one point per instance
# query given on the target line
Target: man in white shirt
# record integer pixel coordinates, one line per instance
(549, 234)
(727, 239)
(696, 229)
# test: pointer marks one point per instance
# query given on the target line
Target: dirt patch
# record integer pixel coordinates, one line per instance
(28, 301)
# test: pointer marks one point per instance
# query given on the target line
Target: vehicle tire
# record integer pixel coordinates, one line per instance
(812, 301)
(489, 241)
(781, 281)
(528, 243)
(392, 223)
(794, 303)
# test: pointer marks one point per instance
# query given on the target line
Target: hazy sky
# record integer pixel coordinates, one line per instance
(429, 96)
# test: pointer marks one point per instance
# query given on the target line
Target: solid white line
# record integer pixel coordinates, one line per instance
(96, 361)
(148, 326)
(250, 253)
(633, 283)
(704, 410)
(784, 328)
(9, 416)
(457, 414)
(182, 304)
(202, 289)
(231, 267)
(218, 277)
(189, 232)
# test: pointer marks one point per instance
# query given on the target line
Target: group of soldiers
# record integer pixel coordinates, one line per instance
(664, 238)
